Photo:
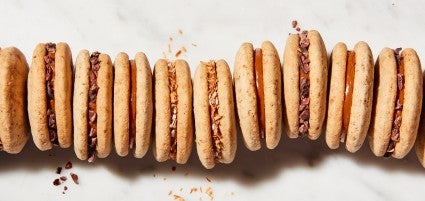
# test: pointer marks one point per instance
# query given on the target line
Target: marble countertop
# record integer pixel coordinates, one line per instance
(297, 169)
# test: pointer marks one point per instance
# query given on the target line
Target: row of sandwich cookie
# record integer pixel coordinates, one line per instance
(99, 102)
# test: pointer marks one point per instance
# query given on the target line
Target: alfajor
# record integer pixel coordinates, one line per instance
(257, 77)
(14, 130)
(133, 105)
(173, 137)
(305, 75)
(92, 109)
(350, 96)
(397, 102)
(50, 95)
(214, 113)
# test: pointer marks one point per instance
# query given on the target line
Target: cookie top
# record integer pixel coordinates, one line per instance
(37, 96)
(173, 111)
(13, 82)
(361, 106)
(336, 95)
(221, 146)
(248, 95)
(317, 87)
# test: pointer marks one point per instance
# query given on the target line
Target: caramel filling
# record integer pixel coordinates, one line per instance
(133, 88)
(258, 71)
(92, 115)
(398, 109)
(172, 85)
(348, 97)
(304, 80)
(49, 60)
(215, 117)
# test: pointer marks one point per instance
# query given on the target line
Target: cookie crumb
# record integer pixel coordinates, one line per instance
(63, 178)
(208, 179)
(169, 48)
(165, 179)
(170, 38)
(180, 32)
(56, 182)
(210, 193)
(170, 192)
(194, 45)
(181, 189)
(173, 168)
(183, 49)
(178, 53)
(193, 190)
(178, 197)
(74, 178)
(65, 188)
(294, 23)
(58, 170)
(68, 165)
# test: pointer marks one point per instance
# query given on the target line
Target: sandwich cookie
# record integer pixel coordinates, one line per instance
(214, 113)
(132, 104)
(93, 105)
(50, 96)
(258, 95)
(397, 102)
(14, 130)
(173, 111)
(350, 96)
(305, 74)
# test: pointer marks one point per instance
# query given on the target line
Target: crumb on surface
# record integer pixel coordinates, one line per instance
(208, 179)
(180, 32)
(74, 178)
(58, 170)
(68, 165)
(178, 53)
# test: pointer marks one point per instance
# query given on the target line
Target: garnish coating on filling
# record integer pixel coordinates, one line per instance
(215, 117)
(398, 109)
(172, 85)
(304, 71)
(49, 60)
(92, 115)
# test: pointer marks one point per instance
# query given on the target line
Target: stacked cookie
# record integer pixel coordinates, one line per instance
(100, 105)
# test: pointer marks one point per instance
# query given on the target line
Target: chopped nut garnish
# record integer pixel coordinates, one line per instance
(63, 178)
(74, 178)
(56, 182)
(68, 165)
(208, 179)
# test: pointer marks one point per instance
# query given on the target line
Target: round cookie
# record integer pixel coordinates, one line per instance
(350, 96)
(92, 109)
(173, 111)
(214, 113)
(132, 104)
(50, 95)
(14, 130)
(257, 78)
(304, 101)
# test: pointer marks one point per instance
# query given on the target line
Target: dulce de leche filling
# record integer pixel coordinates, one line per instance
(49, 60)
(259, 83)
(398, 109)
(348, 97)
(304, 71)
(133, 88)
(215, 117)
(92, 115)
(172, 85)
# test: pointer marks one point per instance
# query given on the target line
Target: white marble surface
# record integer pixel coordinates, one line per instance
(296, 170)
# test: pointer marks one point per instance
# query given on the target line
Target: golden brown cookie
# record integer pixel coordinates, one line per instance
(214, 113)
(13, 91)
(258, 95)
(92, 109)
(173, 137)
(50, 95)
(350, 96)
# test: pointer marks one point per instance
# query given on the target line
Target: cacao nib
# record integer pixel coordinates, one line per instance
(74, 178)
(58, 170)
(68, 165)
(49, 60)
(304, 69)
(56, 182)
(92, 115)
(395, 131)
